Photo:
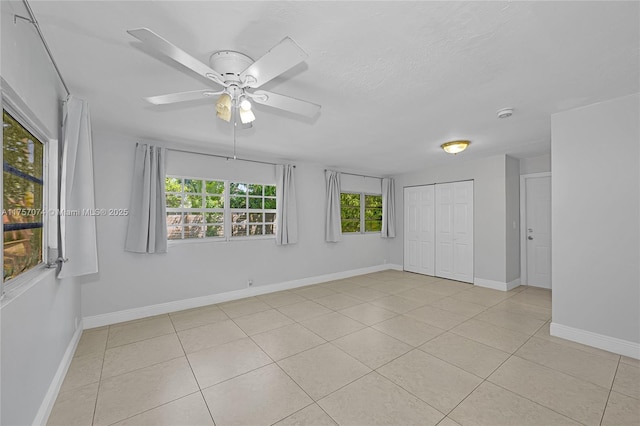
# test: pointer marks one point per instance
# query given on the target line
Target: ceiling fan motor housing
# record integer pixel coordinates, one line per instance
(230, 64)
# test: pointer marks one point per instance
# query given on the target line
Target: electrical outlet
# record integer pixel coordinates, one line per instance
(249, 283)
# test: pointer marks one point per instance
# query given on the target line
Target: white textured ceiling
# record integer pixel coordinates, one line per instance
(395, 79)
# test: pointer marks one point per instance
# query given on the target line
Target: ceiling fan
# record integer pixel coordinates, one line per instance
(238, 75)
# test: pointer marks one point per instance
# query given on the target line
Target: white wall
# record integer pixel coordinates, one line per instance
(490, 214)
(539, 164)
(38, 321)
(596, 219)
(127, 280)
(512, 183)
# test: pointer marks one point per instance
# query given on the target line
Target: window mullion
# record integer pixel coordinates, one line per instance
(182, 198)
(362, 212)
(227, 211)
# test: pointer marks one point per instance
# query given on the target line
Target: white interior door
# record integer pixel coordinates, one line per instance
(419, 242)
(454, 231)
(538, 231)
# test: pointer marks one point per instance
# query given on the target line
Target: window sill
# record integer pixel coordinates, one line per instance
(24, 282)
(172, 243)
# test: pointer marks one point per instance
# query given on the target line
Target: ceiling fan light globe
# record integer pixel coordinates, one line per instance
(223, 107)
(245, 104)
(246, 116)
(225, 115)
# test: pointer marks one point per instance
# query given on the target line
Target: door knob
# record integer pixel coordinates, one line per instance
(529, 237)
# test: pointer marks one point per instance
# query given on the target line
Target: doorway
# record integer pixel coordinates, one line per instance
(535, 235)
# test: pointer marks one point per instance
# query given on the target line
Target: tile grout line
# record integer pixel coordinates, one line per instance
(153, 408)
(313, 401)
(191, 369)
(396, 315)
(151, 365)
(486, 380)
(523, 396)
(606, 404)
(104, 354)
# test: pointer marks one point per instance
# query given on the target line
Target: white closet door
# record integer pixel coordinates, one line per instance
(419, 242)
(463, 231)
(444, 230)
(454, 231)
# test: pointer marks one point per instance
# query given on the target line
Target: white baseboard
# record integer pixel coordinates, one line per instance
(52, 393)
(513, 284)
(196, 302)
(394, 266)
(600, 341)
(496, 285)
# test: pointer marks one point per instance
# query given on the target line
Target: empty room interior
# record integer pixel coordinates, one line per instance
(320, 213)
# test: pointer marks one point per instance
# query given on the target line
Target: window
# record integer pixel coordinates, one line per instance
(23, 190)
(218, 209)
(372, 213)
(195, 208)
(253, 209)
(350, 212)
(360, 212)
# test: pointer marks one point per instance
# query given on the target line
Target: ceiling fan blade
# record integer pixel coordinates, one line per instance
(286, 103)
(282, 57)
(158, 43)
(180, 97)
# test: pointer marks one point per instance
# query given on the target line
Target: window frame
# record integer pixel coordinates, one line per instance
(363, 207)
(23, 115)
(203, 209)
(227, 212)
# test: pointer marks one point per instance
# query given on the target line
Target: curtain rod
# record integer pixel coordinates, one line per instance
(222, 156)
(32, 20)
(355, 174)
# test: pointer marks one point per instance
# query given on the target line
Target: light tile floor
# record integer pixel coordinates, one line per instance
(390, 348)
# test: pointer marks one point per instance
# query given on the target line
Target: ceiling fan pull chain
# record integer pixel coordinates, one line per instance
(235, 123)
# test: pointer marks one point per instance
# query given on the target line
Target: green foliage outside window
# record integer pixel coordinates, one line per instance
(196, 208)
(373, 213)
(252, 209)
(350, 212)
(22, 216)
(358, 211)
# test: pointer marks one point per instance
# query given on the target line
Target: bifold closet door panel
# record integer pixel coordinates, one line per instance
(419, 239)
(454, 231)
(444, 230)
(463, 231)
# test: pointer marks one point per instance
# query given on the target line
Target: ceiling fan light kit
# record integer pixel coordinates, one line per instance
(455, 147)
(238, 74)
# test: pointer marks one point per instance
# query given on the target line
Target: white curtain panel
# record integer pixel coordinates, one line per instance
(388, 208)
(147, 229)
(286, 209)
(77, 232)
(333, 227)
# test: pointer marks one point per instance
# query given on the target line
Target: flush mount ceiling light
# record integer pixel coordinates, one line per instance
(455, 147)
